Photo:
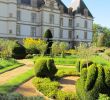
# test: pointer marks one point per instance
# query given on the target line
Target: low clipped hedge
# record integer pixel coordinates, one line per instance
(93, 81)
(51, 89)
(19, 51)
(16, 96)
(45, 68)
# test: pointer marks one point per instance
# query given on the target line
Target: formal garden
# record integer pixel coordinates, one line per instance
(39, 69)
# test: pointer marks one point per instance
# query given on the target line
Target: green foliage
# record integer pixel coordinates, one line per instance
(16, 96)
(45, 68)
(48, 34)
(65, 96)
(107, 77)
(103, 97)
(97, 29)
(107, 52)
(6, 47)
(19, 51)
(55, 49)
(50, 88)
(100, 41)
(8, 64)
(63, 47)
(46, 86)
(12, 84)
(89, 86)
(91, 77)
(85, 64)
(78, 65)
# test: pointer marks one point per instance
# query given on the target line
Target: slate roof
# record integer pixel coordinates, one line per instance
(79, 6)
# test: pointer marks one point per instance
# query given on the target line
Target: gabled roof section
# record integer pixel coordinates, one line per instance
(64, 6)
(79, 6)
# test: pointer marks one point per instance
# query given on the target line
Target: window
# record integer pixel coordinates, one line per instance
(33, 31)
(18, 1)
(61, 21)
(85, 35)
(26, 2)
(77, 36)
(18, 15)
(70, 35)
(61, 34)
(85, 24)
(77, 24)
(18, 29)
(70, 23)
(33, 16)
(51, 19)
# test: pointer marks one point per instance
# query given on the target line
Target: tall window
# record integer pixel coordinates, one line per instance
(77, 24)
(70, 34)
(33, 31)
(33, 16)
(18, 29)
(18, 15)
(70, 23)
(51, 19)
(61, 33)
(85, 24)
(85, 35)
(61, 21)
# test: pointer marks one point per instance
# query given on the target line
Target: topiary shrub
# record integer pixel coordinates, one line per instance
(51, 67)
(78, 65)
(91, 77)
(85, 64)
(48, 36)
(92, 83)
(19, 51)
(45, 68)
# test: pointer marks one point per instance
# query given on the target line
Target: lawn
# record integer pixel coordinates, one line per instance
(6, 65)
(12, 84)
(67, 60)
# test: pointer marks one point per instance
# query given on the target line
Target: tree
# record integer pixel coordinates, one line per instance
(48, 36)
(41, 46)
(85, 52)
(101, 40)
(6, 47)
(63, 47)
(55, 48)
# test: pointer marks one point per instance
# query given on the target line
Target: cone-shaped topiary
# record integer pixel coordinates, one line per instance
(19, 51)
(48, 34)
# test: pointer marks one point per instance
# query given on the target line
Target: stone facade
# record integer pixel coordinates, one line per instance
(31, 18)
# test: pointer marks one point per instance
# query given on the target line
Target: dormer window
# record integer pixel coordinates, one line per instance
(70, 10)
(85, 12)
(51, 4)
(61, 9)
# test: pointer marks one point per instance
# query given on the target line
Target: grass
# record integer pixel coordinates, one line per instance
(68, 60)
(100, 60)
(12, 84)
(7, 65)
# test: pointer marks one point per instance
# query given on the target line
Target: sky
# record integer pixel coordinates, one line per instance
(100, 9)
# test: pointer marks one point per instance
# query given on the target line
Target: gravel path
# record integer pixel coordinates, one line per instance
(68, 83)
(13, 73)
